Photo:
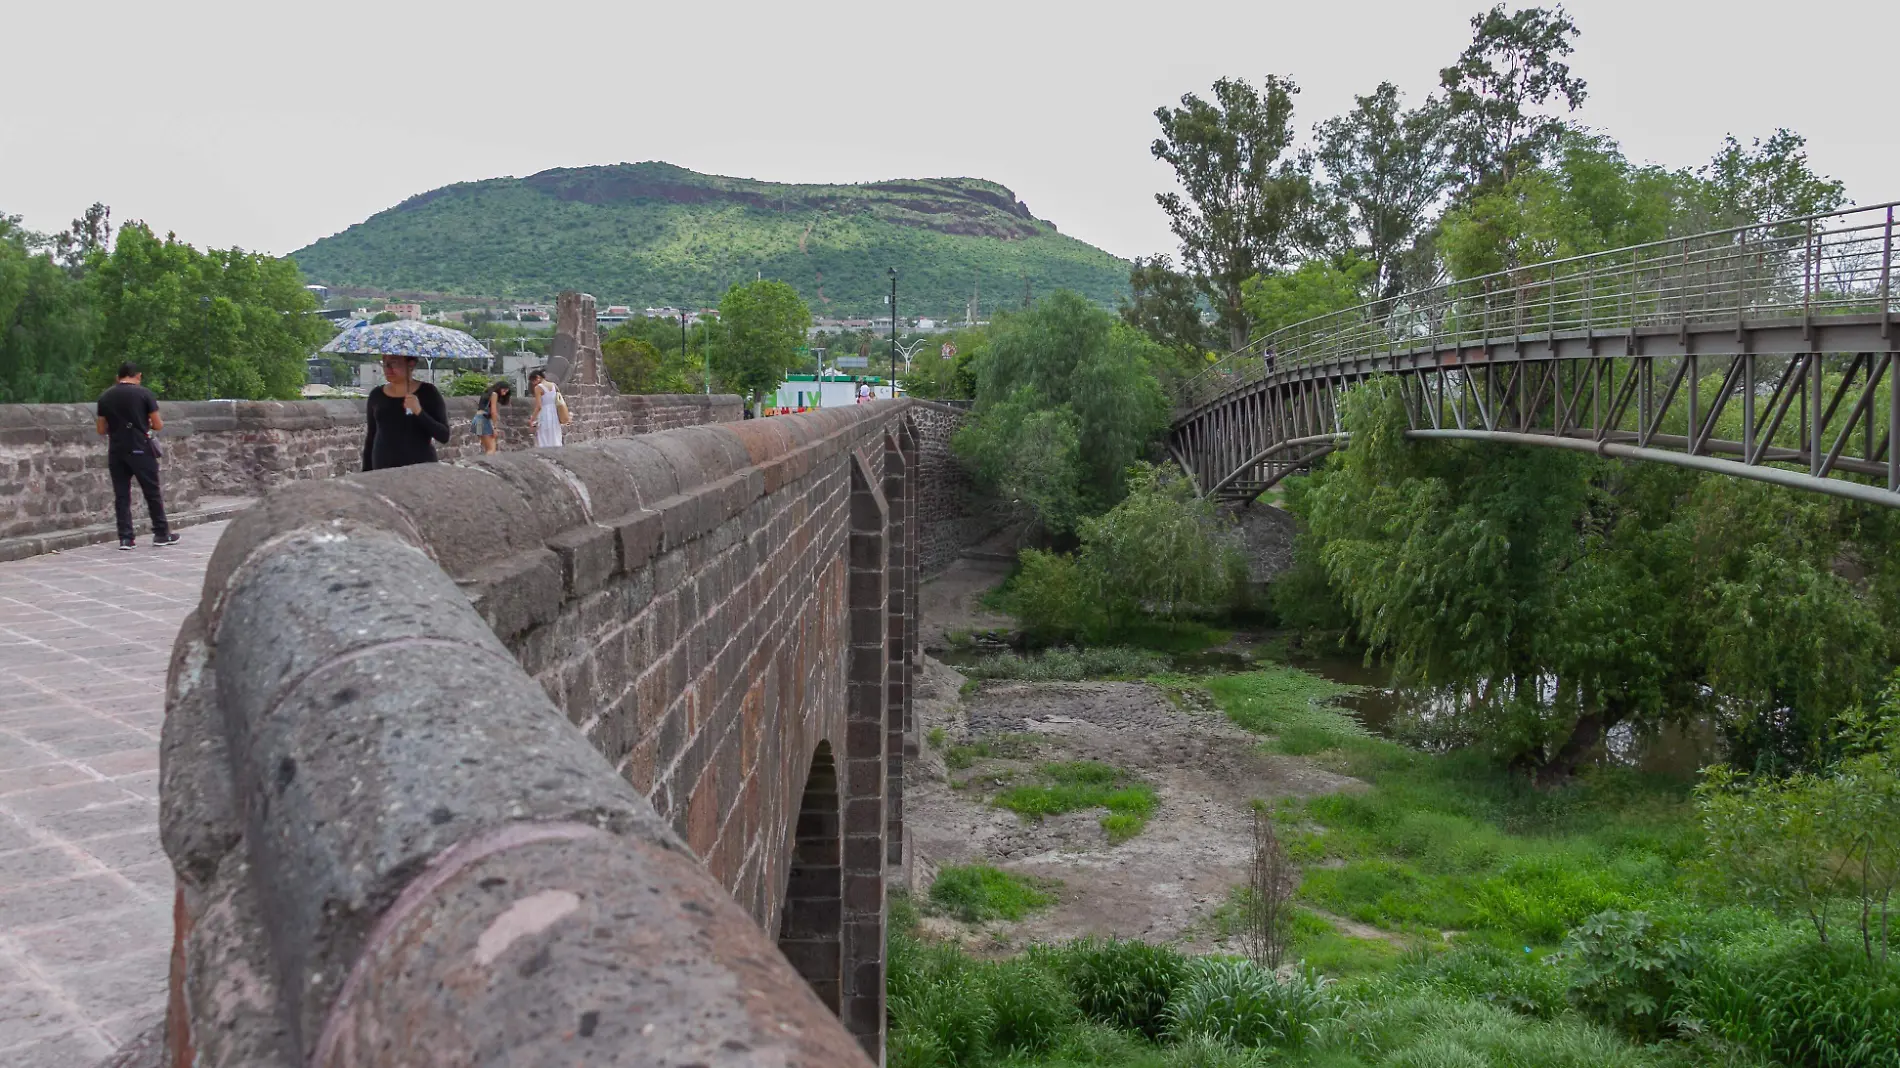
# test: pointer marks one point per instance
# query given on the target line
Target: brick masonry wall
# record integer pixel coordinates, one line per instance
(521, 690)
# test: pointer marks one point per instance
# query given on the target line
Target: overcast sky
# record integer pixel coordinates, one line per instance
(269, 125)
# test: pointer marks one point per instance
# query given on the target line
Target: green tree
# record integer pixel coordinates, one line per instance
(1589, 199)
(1080, 368)
(1513, 67)
(1029, 455)
(1244, 206)
(1315, 288)
(765, 324)
(1164, 305)
(90, 233)
(934, 377)
(201, 324)
(1386, 166)
(1161, 548)
(1767, 181)
(383, 317)
(47, 324)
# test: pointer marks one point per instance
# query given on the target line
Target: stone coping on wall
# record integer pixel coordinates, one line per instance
(441, 867)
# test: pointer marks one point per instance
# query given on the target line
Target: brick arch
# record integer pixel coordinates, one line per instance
(810, 926)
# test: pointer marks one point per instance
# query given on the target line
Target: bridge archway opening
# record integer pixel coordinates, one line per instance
(811, 920)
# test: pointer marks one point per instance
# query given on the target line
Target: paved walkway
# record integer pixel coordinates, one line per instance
(85, 890)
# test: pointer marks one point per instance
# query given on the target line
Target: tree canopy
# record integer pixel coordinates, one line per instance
(764, 327)
(1066, 399)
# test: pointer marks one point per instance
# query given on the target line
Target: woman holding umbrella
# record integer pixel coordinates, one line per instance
(406, 418)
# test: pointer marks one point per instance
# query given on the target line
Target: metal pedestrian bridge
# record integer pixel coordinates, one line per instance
(1765, 352)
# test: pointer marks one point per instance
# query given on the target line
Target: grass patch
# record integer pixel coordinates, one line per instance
(936, 738)
(974, 893)
(1068, 665)
(963, 756)
(1289, 704)
(1322, 947)
(1085, 784)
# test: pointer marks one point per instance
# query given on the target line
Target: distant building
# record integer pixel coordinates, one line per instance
(322, 293)
(404, 311)
(615, 313)
(533, 311)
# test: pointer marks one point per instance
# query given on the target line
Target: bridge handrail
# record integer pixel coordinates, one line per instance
(1828, 263)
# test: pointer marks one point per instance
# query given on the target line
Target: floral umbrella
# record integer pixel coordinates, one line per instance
(407, 337)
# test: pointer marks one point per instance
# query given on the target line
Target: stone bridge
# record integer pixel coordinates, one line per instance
(588, 755)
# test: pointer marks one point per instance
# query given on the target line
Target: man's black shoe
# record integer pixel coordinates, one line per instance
(169, 539)
(127, 545)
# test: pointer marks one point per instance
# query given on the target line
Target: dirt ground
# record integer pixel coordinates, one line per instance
(953, 601)
(1162, 885)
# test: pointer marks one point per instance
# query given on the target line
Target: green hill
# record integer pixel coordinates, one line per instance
(653, 233)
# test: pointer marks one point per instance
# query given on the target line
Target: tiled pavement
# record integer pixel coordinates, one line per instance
(85, 891)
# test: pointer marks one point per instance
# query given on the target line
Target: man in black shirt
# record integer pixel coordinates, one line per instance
(128, 417)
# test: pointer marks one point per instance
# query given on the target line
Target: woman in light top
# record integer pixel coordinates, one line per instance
(546, 417)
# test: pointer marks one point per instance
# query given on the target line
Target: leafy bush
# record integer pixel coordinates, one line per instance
(1801, 1003)
(1055, 598)
(1081, 784)
(1124, 983)
(1244, 1004)
(470, 384)
(1032, 1008)
(1166, 549)
(1627, 970)
(977, 892)
(1069, 665)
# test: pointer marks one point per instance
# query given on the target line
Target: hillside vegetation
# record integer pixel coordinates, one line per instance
(655, 233)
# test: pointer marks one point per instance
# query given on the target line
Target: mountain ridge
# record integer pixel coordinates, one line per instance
(657, 232)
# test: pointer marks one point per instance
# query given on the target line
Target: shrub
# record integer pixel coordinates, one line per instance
(1627, 970)
(1124, 983)
(1166, 548)
(471, 384)
(1244, 1004)
(1055, 598)
(1801, 1003)
(1032, 1009)
(977, 892)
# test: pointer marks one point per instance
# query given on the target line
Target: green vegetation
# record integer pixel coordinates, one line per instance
(1156, 556)
(764, 326)
(652, 232)
(1066, 400)
(977, 892)
(1289, 704)
(217, 323)
(1084, 784)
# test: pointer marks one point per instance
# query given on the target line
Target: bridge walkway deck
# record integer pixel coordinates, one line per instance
(85, 889)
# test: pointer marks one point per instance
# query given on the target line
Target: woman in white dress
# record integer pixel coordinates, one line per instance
(546, 417)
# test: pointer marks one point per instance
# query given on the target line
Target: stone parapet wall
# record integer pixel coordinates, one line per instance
(534, 759)
(53, 465)
(952, 514)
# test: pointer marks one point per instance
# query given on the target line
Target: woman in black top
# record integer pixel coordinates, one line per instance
(406, 418)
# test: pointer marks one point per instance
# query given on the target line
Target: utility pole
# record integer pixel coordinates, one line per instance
(893, 331)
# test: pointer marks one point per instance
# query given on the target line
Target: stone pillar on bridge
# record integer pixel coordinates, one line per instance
(865, 766)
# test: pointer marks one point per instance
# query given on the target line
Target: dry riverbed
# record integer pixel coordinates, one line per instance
(1167, 882)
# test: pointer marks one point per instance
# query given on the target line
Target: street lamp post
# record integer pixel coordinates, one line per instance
(893, 331)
